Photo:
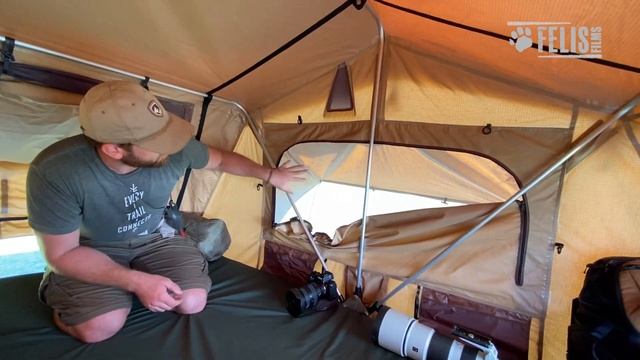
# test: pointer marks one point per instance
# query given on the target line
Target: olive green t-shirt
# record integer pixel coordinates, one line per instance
(70, 188)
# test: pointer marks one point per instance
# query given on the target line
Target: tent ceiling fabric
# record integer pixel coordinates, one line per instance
(200, 44)
(197, 44)
(587, 82)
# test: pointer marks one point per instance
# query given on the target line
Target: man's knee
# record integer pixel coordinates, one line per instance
(193, 301)
(99, 328)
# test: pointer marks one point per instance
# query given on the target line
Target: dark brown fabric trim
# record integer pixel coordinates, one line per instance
(507, 146)
(509, 331)
(292, 265)
(52, 78)
(183, 110)
(78, 84)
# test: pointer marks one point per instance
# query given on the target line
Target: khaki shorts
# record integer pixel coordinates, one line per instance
(176, 258)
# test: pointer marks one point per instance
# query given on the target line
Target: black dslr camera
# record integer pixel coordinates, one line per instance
(320, 294)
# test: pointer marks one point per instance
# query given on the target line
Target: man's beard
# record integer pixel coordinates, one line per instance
(131, 160)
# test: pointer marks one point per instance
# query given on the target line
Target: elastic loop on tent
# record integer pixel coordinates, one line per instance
(7, 54)
(145, 82)
(359, 4)
(284, 47)
(187, 173)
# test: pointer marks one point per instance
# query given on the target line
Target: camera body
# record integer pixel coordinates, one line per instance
(319, 294)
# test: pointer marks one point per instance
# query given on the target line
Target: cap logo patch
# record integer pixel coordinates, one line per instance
(155, 109)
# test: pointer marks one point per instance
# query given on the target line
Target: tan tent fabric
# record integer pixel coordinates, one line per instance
(403, 301)
(583, 81)
(27, 127)
(599, 214)
(616, 16)
(374, 285)
(204, 38)
(441, 174)
(223, 126)
(310, 100)
(236, 200)
(429, 89)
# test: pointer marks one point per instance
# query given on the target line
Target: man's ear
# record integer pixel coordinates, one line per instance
(113, 151)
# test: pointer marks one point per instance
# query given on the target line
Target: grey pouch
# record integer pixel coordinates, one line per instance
(212, 235)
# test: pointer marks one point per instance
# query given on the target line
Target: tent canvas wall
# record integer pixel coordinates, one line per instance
(448, 71)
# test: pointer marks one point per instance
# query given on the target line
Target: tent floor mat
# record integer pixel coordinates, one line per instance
(245, 317)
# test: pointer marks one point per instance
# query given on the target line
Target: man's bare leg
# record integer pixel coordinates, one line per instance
(96, 329)
(193, 301)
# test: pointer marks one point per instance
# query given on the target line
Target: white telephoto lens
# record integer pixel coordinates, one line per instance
(417, 342)
(393, 331)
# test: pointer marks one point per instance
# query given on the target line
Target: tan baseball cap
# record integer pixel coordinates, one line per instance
(123, 112)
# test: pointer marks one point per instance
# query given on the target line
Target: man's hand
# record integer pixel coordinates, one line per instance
(237, 164)
(285, 174)
(157, 293)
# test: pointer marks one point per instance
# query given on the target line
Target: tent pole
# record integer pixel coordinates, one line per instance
(626, 108)
(375, 101)
(99, 66)
(260, 137)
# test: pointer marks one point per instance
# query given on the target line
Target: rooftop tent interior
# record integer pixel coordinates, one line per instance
(441, 87)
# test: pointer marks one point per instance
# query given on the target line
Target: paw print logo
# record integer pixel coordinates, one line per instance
(521, 38)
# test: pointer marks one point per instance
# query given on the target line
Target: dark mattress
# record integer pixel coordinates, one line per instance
(245, 318)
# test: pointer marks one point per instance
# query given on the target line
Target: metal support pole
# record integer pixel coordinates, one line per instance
(540, 177)
(260, 137)
(375, 101)
(100, 66)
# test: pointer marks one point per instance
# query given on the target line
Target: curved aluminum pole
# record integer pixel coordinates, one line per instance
(543, 175)
(375, 101)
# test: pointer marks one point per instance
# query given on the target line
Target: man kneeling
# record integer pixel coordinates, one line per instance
(96, 202)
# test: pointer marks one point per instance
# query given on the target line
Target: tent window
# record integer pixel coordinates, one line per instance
(403, 178)
(341, 96)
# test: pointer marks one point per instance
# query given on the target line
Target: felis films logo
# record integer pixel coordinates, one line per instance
(557, 39)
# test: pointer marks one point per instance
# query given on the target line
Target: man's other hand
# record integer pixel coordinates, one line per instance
(157, 293)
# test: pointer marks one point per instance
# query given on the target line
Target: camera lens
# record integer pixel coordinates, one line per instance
(305, 298)
(405, 336)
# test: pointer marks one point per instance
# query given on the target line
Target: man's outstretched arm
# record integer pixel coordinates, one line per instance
(67, 257)
(237, 164)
